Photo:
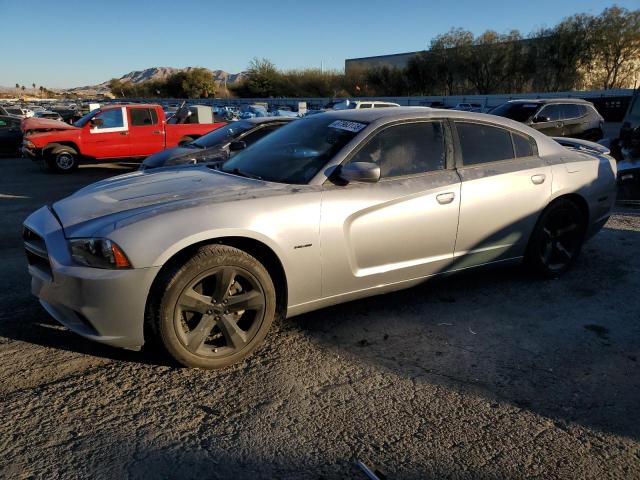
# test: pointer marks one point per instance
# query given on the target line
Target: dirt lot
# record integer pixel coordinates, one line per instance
(485, 375)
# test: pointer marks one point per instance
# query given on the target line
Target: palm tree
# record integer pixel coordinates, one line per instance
(41, 90)
(17, 88)
(34, 88)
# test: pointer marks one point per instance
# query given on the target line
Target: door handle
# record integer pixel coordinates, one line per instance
(538, 179)
(157, 132)
(445, 198)
(124, 133)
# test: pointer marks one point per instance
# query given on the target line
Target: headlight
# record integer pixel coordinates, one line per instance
(28, 144)
(98, 253)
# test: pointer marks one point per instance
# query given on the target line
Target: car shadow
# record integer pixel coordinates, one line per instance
(567, 349)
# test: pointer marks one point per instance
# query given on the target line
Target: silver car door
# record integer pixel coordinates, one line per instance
(505, 185)
(400, 228)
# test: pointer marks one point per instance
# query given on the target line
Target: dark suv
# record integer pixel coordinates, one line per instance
(556, 117)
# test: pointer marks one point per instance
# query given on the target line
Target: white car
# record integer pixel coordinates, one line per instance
(358, 104)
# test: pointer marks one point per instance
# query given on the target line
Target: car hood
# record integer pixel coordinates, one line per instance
(34, 124)
(107, 202)
(183, 155)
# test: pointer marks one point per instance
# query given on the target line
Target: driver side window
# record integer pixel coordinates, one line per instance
(111, 119)
(406, 149)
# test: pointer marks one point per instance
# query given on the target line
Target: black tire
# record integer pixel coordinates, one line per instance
(557, 239)
(62, 159)
(185, 140)
(199, 330)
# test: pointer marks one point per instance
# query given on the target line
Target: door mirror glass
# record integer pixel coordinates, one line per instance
(360, 172)
(237, 145)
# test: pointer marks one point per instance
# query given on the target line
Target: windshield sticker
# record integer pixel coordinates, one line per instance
(354, 127)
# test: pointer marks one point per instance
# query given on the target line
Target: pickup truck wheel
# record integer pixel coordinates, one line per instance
(214, 309)
(557, 239)
(62, 160)
(185, 140)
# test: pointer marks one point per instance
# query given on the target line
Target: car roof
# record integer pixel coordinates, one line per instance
(544, 101)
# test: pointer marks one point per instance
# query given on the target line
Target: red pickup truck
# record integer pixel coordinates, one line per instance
(111, 132)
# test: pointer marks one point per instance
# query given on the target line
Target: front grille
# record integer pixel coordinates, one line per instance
(36, 250)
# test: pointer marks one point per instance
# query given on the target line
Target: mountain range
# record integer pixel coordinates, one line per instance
(155, 73)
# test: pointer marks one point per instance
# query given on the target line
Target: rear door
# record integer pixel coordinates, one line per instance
(400, 228)
(575, 120)
(505, 185)
(109, 140)
(145, 131)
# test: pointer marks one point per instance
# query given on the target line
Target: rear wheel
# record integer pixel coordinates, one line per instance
(62, 159)
(557, 239)
(214, 309)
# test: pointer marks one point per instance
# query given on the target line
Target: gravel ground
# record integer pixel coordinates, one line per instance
(484, 375)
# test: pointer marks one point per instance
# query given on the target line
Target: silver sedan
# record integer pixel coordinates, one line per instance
(337, 206)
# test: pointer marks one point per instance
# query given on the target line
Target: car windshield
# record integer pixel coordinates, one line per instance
(85, 119)
(222, 135)
(296, 152)
(519, 112)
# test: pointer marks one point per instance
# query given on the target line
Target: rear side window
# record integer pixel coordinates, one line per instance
(524, 145)
(482, 143)
(406, 149)
(142, 116)
(365, 105)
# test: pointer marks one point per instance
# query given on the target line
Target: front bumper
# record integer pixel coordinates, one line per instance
(103, 305)
(32, 153)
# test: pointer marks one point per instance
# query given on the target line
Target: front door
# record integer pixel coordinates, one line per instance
(400, 228)
(549, 120)
(109, 139)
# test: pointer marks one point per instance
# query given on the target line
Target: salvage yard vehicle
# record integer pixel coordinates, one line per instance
(556, 117)
(110, 132)
(357, 104)
(217, 146)
(330, 208)
(10, 135)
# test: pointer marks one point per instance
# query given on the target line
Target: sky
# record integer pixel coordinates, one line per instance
(68, 43)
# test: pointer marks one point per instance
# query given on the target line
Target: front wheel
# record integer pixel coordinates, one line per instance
(557, 239)
(62, 160)
(213, 310)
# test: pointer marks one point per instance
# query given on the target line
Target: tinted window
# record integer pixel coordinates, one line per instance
(483, 143)
(253, 137)
(571, 111)
(141, 117)
(523, 145)
(552, 112)
(406, 149)
(519, 112)
(111, 118)
(365, 105)
(222, 135)
(381, 105)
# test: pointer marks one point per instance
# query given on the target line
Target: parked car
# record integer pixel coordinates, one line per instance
(468, 107)
(5, 113)
(18, 111)
(10, 135)
(626, 149)
(49, 115)
(330, 208)
(357, 104)
(556, 117)
(217, 146)
(111, 132)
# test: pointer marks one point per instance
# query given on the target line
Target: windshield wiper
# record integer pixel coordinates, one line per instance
(239, 172)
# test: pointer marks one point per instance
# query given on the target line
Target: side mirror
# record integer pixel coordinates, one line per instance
(541, 119)
(97, 122)
(360, 172)
(237, 145)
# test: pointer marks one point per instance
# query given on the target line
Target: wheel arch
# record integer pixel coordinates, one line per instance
(256, 248)
(66, 143)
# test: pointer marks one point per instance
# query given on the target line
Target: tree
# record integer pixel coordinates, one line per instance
(17, 88)
(197, 83)
(449, 54)
(41, 91)
(616, 47)
(263, 80)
